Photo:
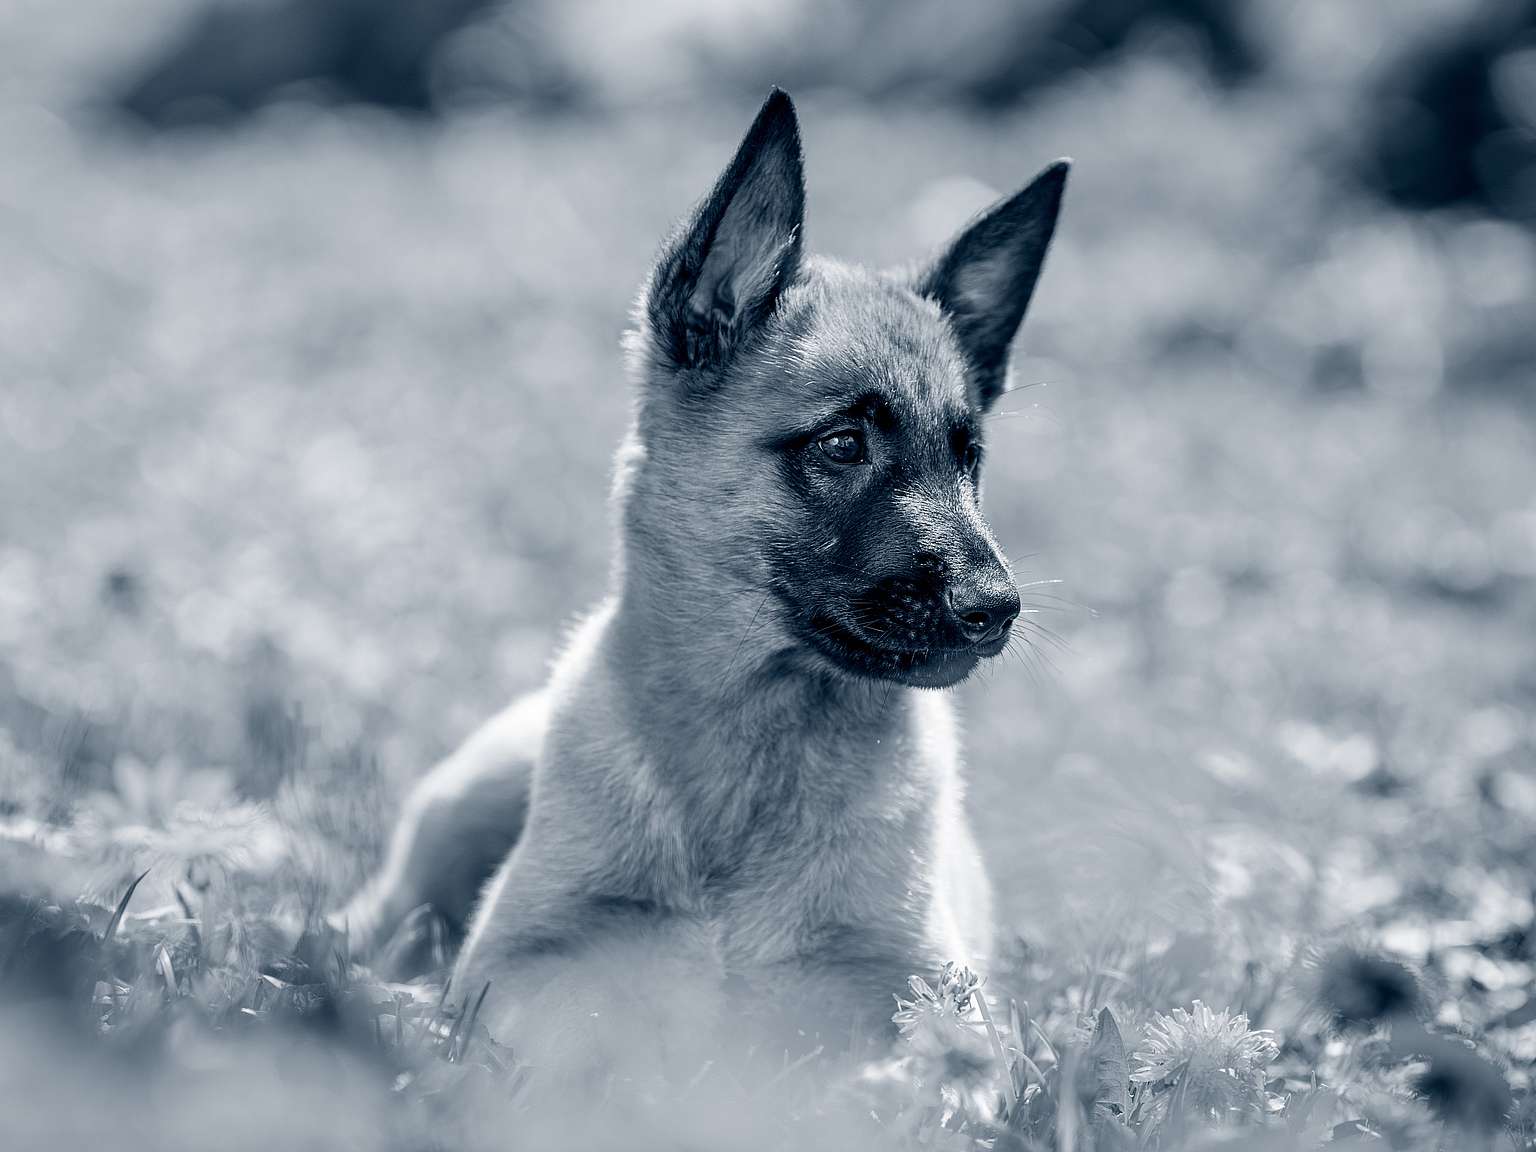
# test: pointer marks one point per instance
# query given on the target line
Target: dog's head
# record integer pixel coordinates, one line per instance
(807, 458)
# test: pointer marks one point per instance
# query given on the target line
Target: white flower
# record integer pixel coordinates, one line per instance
(944, 1025)
(1212, 1057)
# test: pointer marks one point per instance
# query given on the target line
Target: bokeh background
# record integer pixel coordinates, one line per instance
(309, 378)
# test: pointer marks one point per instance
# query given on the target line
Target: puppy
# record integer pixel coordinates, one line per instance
(739, 781)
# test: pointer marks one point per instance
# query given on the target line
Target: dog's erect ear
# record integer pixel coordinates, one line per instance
(721, 275)
(985, 278)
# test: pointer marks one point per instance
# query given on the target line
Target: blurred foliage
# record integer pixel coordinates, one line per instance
(304, 439)
(1447, 90)
(231, 56)
(1456, 115)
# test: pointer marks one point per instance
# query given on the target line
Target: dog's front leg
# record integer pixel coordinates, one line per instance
(590, 987)
(458, 824)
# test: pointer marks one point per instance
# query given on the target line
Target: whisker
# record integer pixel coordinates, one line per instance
(750, 625)
(1013, 388)
(1046, 635)
(1032, 660)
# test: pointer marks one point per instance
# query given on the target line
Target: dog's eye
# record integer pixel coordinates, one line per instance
(843, 447)
(970, 457)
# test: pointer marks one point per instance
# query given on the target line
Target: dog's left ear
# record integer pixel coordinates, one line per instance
(721, 275)
(985, 278)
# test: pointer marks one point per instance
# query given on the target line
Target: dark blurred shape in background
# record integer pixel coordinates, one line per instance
(998, 55)
(1450, 118)
(1455, 116)
(231, 58)
(1079, 34)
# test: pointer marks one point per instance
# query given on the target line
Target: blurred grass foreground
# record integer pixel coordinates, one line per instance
(308, 382)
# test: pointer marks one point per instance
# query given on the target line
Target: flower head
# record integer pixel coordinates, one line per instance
(1460, 1086)
(1214, 1056)
(1362, 989)
(944, 1022)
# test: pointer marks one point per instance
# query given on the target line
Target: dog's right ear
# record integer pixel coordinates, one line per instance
(721, 274)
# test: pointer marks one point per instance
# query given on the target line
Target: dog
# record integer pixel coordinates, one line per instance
(739, 794)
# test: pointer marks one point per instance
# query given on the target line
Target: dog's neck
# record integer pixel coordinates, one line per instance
(677, 660)
(735, 722)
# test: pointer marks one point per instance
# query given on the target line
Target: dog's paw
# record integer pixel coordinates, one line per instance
(423, 942)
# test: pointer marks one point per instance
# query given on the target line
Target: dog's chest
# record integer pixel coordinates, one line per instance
(788, 837)
(806, 874)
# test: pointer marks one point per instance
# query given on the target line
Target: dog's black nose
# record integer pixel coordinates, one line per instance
(983, 606)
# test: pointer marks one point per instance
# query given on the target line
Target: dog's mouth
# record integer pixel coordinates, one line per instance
(934, 666)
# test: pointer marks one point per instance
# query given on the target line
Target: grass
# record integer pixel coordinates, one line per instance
(305, 436)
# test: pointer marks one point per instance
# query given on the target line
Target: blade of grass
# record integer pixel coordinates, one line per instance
(796, 1064)
(458, 1023)
(997, 1047)
(194, 923)
(1018, 1073)
(1066, 1107)
(1032, 1068)
(166, 969)
(430, 1029)
(1050, 1048)
(469, 1030)
(122, 906)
